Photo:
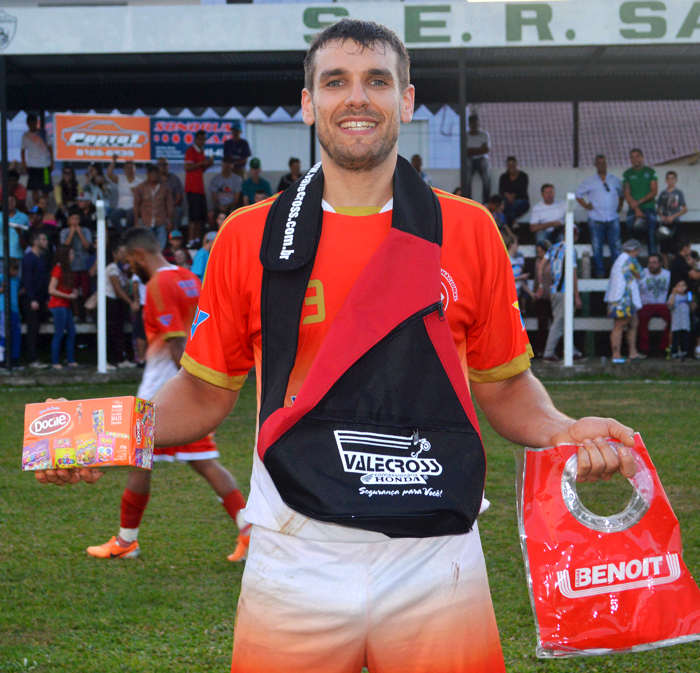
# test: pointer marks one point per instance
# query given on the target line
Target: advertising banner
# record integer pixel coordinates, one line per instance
(170, 137)
(94, 137)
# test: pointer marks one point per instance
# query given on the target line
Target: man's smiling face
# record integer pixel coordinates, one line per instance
(357, 104)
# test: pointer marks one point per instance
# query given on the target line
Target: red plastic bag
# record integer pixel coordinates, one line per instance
(600, 585)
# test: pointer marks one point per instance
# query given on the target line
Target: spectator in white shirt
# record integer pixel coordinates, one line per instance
(37, 159)
(547, 217)
(478, 148)
(654, 286)
(125, 203)
(602, 196)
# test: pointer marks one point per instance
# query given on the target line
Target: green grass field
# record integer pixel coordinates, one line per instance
(174, 609)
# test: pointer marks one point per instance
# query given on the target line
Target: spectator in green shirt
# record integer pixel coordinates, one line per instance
(640, 187)
(254, 183)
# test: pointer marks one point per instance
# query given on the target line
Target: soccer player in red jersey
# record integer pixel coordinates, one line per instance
(326, 597)
(172, 294)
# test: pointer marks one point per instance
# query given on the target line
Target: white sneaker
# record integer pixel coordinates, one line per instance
(38, 365)
(111, 368)
(126, 365)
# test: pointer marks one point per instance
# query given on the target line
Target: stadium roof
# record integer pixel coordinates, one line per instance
(225, 79)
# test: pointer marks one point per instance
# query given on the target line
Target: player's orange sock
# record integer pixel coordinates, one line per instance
(233, 503)
(133, 507)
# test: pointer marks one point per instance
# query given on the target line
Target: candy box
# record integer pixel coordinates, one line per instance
(113, 432)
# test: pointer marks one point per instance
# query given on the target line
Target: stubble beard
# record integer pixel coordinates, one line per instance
(358, 158)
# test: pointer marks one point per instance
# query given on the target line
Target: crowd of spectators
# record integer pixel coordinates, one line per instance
(667, 288)
(52, 236)
(52, 268)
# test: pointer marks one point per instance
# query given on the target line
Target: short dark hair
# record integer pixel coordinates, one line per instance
(473, 118)
(201, 132)
(292, 160)
(512, 157)
(673, 173)
(143, 238)
(654, 254)
(14, 264)
(34, 234)
(545, 244)
(546, 185)
(496, 199)
(261, 191)
(31, 117)
(682, 242)
(151, 168)
(636, 149)
(367, 34)
(12, 173)
(599, 156)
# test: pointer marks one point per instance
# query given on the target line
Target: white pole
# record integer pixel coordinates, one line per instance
(569, 282)
(101, 297)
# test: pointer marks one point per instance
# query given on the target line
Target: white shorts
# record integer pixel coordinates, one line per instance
(396, 606)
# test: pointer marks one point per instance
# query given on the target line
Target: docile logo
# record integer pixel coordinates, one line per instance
(49, 424)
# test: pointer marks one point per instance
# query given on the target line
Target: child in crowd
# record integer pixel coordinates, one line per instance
(62, 291)
(13, 288)
(679, 304)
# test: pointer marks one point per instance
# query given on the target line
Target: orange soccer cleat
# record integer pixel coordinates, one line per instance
(241, 551)
(112, 550)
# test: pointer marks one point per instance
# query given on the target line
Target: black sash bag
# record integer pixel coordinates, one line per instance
(382, 435)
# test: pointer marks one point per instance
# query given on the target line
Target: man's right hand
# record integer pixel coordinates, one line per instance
(34, 305)
(72, 476)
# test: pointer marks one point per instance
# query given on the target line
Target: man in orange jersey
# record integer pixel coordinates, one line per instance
(172, 294)
(298, 286)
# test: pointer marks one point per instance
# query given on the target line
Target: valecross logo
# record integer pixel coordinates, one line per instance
(49, 424)
(377, 468)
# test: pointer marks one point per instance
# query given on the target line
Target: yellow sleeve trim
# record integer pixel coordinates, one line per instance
(172, 335)
(504, 371)
(469, 202)
(212, 376)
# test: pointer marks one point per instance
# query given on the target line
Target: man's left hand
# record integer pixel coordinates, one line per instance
(596, 460)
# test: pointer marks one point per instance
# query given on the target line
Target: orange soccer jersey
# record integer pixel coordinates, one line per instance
(478, 293)
(172, 294)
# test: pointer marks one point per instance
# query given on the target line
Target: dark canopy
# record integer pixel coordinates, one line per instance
(130, 81)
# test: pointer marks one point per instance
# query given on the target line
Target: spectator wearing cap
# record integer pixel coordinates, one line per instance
(88, 212)
(547, 216)
(641, 185)
(176, 189)
(239, 150)
(153, 205)
(125, 183)
(16, 189)
(196, 162)
(79, 239)
(199, 266)
(290, 178)
(623, 299)
(19, 225)
(225, 188)
(602, 196)
(38, 224)
(555, 256)
(175, 243)
(478, 148)
(37, 159)
(513, 187)
(255, 183)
